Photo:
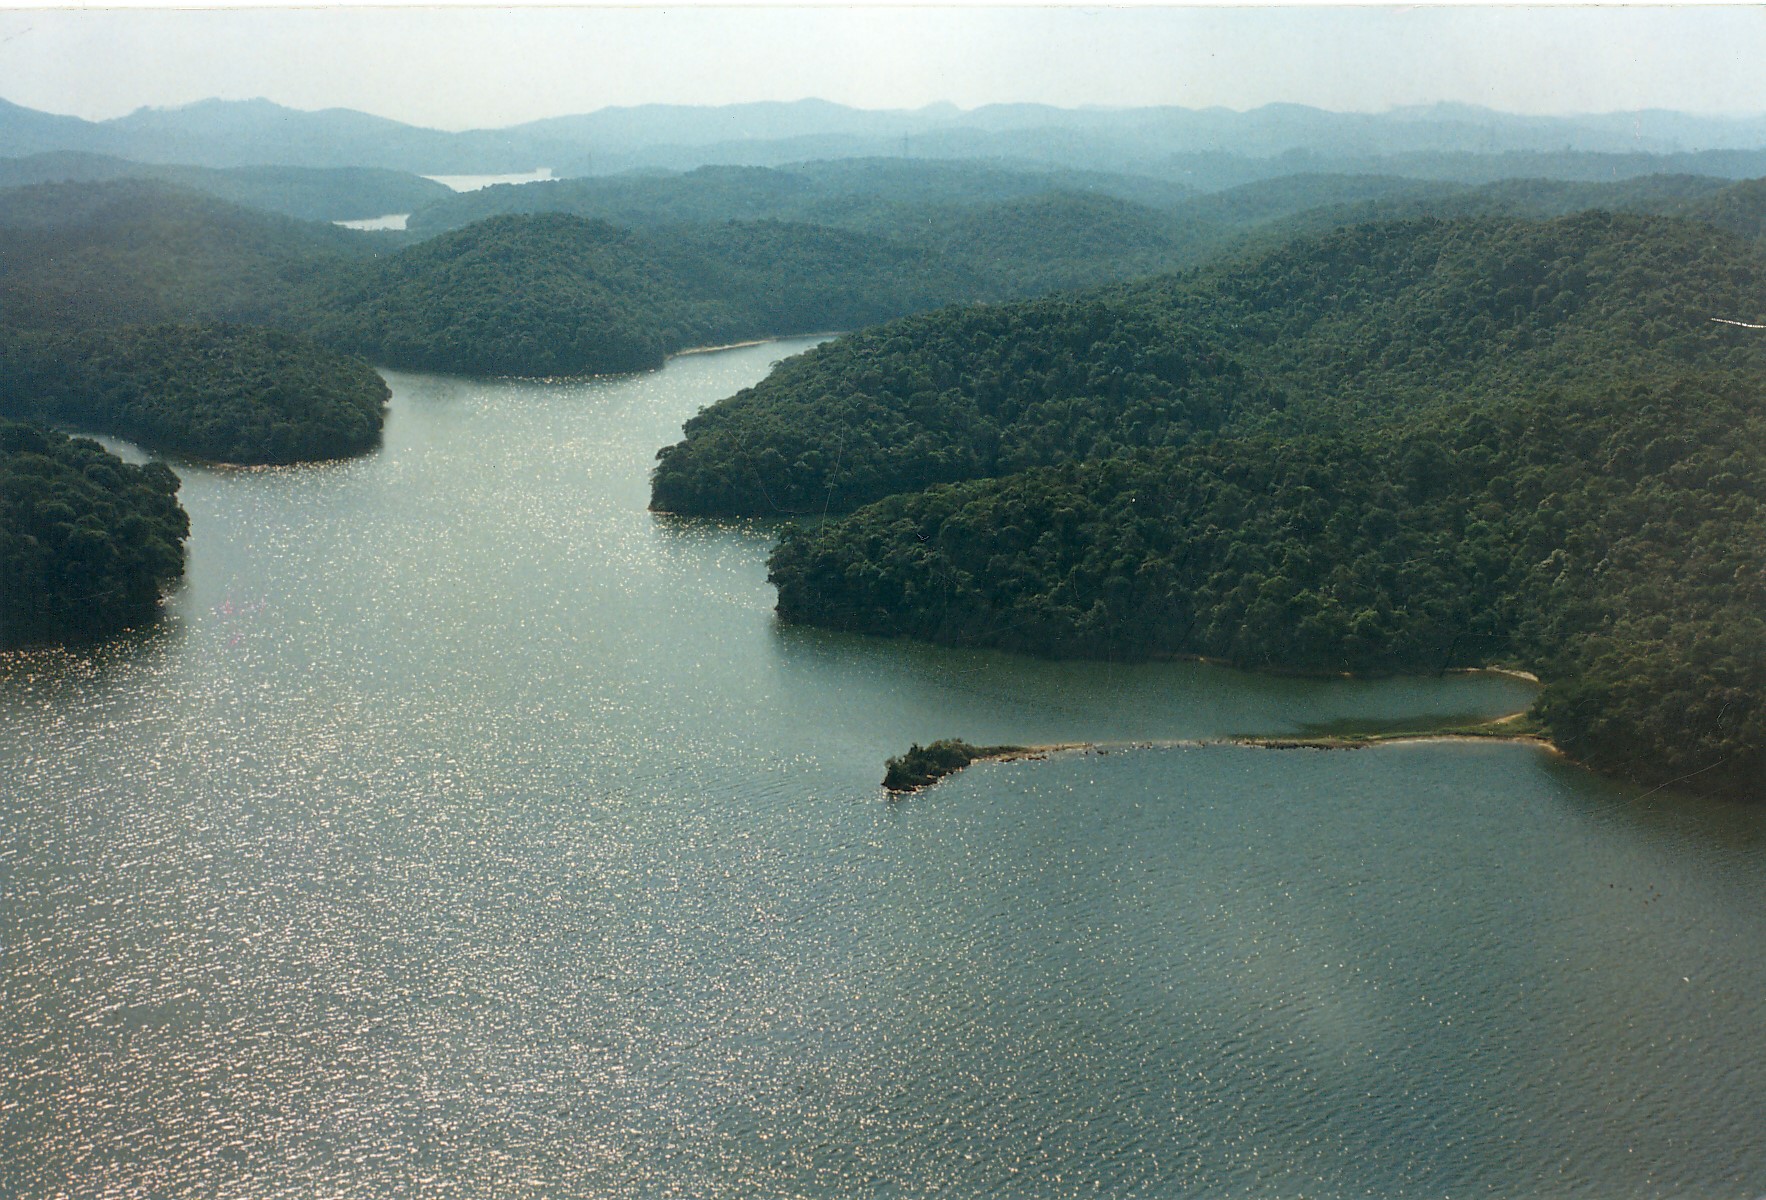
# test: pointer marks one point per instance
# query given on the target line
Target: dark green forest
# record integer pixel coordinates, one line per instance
(1372, 321)
(555, 294)
(517, 296)
(228, 393)
(923, 765)
(87, 542)
(1405, 447)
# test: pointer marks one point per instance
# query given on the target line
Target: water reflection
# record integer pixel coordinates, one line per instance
(43, 676)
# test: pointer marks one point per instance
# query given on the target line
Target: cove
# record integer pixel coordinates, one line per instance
(465, 829)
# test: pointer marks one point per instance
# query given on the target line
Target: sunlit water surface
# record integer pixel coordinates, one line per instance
(466, 830)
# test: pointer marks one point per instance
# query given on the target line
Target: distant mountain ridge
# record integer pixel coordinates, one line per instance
(310, 193)
(232, 133)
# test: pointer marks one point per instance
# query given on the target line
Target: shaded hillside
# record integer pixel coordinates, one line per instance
(512, 295)
(1739, 208)
(87, 542)
(1270, 199)
(773, 277)
(137, 251)
(1537, 199)
(1225, 168)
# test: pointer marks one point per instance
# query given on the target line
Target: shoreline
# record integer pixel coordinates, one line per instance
(778, 337)
(725, 346)
(1484, 732)
(1276, 742)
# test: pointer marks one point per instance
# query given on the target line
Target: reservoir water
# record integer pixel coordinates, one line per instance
(466, 830)
(473, 183)
(391, 221)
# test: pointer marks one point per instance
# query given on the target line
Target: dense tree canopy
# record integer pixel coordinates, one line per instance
(958, 394)
(555, 294)
(87, 542)
(1371, 321)
(228, 393)
(512, 295)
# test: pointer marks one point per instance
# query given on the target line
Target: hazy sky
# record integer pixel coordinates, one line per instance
(457, 68)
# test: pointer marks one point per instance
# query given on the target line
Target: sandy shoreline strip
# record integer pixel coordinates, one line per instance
(1271, 742)
(783, 337)
(725, 346)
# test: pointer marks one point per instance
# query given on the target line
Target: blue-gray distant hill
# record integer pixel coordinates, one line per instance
(1204, 147)
(310, 193)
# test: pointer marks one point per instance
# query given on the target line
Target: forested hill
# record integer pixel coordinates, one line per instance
(851, 193)
(1373, 320)
(553, 293)
(86, 255)
(87, 542)
(1054, 241)
(1412, 446)
(558, 294)
(536, 294)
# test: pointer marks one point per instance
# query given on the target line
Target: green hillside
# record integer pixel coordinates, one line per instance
(1371, 321)
(554, 294)
(1403, 447)
(861, 193)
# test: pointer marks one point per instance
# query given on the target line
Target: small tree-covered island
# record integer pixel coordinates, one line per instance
(87, 541)
(1402, 447)
(924, 765)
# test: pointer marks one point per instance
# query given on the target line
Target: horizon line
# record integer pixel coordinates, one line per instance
(1729, 115)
